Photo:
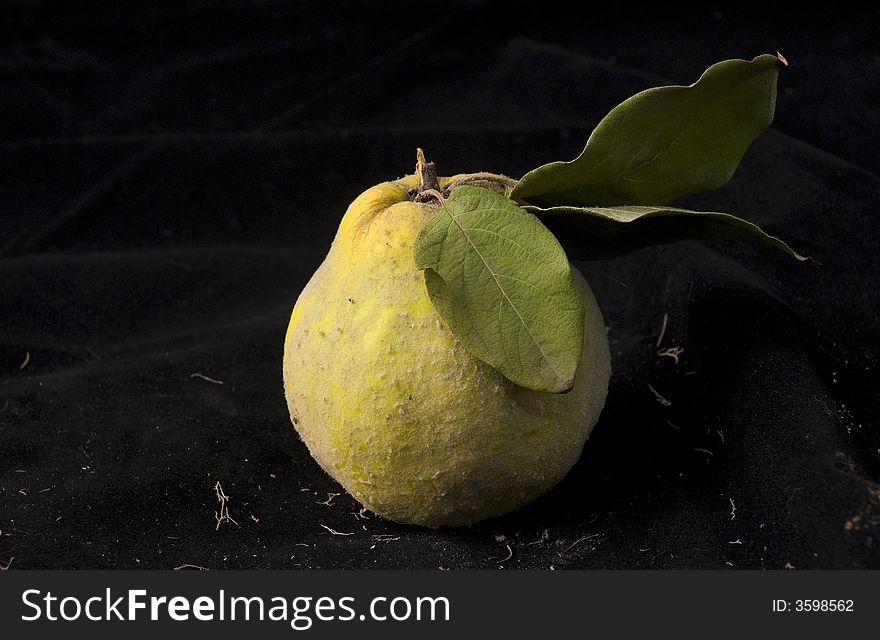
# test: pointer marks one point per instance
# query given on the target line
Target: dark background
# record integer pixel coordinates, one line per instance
(172, 174)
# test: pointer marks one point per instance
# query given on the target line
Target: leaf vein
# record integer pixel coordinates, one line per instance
(500, 287)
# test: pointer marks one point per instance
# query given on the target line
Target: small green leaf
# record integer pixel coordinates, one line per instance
(666, 142)
(596, 233)
(503, 285)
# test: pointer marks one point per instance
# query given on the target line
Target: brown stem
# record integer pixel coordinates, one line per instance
(427, 174)
(427, 181)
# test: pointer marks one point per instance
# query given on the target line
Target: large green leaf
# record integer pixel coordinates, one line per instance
(666, 142)
(596, 233)
(503, 284)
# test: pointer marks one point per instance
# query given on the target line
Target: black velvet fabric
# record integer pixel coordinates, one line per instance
(171, 174)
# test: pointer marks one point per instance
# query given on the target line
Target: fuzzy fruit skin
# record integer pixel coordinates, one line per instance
(391, 404)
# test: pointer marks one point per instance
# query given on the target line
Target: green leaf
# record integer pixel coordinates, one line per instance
(666, 142)
(596, 233)
(503, 285)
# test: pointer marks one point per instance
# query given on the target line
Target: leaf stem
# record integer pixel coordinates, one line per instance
(498, 183)
(427, 194)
